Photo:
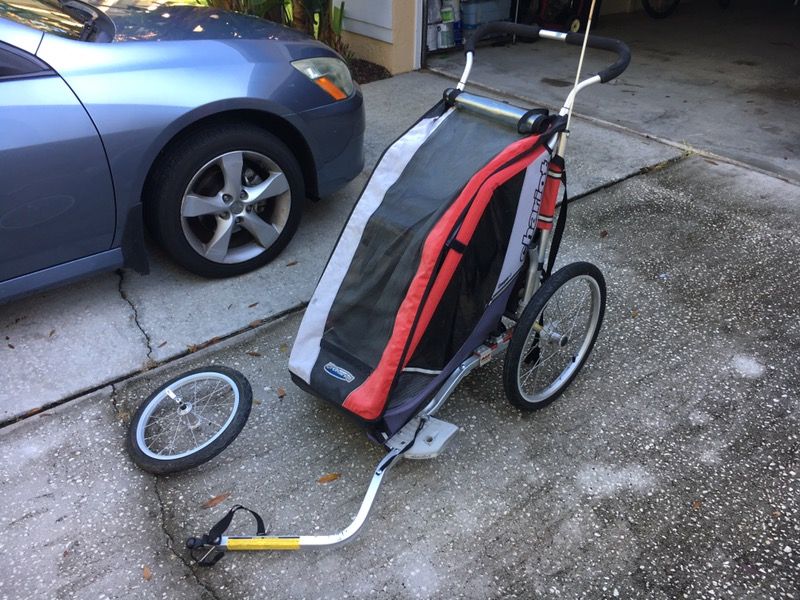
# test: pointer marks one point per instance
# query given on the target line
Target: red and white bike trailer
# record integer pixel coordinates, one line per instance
(445, 263)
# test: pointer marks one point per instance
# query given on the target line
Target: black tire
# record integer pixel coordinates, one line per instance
(159, 463)
(659, 9)
(193, 162)
(527, 345)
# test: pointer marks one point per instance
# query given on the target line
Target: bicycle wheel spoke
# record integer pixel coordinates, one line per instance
(207, 397)
(588, 293)
(169, 419)
(541, 362)
(172, 442)
(194, 437)
(209, 421)
(559, 310)
(213, 402)
(156, 436)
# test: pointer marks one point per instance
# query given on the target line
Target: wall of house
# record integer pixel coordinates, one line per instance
(383, 32)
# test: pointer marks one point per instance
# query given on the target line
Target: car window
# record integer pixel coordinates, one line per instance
(15, 63)
(44, 15)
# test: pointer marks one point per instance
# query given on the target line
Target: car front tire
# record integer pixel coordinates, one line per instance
(225, 200)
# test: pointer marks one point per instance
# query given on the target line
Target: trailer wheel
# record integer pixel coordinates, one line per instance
(554, 336)
(189, 420)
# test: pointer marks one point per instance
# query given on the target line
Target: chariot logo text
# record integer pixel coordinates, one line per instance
(338, 372)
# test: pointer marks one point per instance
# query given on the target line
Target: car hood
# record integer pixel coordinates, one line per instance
(133, 22)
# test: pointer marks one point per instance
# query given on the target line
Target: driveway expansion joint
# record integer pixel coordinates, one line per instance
(172, 545)
(643, 171)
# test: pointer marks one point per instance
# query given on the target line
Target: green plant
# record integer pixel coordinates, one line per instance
(323, 20)
(318, 18)
(274, 10)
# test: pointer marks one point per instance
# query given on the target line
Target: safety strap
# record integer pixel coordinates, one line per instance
(214, 536)
(561, 222)
(222, 525)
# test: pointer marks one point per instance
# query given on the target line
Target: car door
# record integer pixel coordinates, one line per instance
(56, 195)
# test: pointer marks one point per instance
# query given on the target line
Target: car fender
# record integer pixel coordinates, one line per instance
(230, 108)
(140, 95)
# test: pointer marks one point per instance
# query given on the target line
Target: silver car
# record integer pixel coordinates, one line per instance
(211, 128)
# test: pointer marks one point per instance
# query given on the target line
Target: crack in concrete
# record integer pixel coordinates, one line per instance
(643, 171)
(125, 297)
(171, 545)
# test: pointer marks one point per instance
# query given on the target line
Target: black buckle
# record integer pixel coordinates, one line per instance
(204, 551)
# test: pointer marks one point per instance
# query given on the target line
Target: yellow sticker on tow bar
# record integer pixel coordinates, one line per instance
(264, 543)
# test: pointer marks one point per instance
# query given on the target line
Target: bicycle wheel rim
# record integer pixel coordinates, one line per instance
(162, 398)
(545, 345)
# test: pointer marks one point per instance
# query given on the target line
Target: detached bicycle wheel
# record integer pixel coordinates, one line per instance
(189, 420)
(554, 336)
(658, 9)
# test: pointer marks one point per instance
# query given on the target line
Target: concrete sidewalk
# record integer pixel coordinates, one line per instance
(74, 339)
(668, 470)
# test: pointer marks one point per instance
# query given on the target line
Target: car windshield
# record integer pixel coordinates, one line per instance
(45, 15)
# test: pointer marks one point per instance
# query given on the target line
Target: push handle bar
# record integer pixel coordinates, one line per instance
(530, 32)
(611, 45)
(576, 39)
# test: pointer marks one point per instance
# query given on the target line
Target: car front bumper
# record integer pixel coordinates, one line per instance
(335, 135)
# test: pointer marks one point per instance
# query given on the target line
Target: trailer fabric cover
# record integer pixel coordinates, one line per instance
(426, 248)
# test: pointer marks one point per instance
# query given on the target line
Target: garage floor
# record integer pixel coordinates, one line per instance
(724, 81)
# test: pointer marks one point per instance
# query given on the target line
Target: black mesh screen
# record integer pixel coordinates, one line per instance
(473, 283)
(363, 314)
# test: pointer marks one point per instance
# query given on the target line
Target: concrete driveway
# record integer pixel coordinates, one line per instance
(669, 469)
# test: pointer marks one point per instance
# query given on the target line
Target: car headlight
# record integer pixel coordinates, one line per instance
(331, 74)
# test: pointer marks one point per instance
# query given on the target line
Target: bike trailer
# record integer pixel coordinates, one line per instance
(446, 263)
(426, 264)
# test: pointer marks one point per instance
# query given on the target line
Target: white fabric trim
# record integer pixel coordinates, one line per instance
(525, 220)
(306, 346)
(421, 370)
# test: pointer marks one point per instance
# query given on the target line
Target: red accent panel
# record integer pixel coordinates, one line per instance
(550, 196)
(369, 399)
(464, 236)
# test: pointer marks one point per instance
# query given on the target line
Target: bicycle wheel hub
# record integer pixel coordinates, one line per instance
(557, 338)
